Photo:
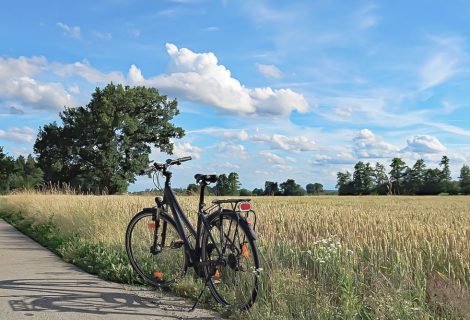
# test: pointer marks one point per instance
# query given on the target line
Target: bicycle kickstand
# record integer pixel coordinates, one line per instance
(200, 295)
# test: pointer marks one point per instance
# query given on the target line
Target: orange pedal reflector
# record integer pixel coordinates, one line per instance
(245, 251)
(151, 225)
(158, 275)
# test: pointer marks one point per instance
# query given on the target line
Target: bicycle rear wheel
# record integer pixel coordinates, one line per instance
(160, 267)
(234, 282)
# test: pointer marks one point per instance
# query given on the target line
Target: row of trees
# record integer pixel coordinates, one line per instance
(19, 173)
(230, 186)
(401, 179)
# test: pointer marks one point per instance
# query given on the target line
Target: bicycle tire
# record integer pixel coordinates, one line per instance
(220, 288)
(155, 269)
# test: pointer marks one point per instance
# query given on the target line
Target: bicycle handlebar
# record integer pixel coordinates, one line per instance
(177, 161)
(163, 166)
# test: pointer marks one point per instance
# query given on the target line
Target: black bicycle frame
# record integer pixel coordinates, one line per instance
(180, 218)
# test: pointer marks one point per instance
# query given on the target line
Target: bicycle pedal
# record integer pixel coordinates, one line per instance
(177, 244)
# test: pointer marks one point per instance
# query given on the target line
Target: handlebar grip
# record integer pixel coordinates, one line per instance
(184, 159)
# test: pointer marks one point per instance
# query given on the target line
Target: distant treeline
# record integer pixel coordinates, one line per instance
(230, 186)
(403, 180)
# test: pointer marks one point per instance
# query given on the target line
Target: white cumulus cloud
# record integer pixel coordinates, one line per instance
(199, 77)
(18, 83)
(425, 144)
(369, 145)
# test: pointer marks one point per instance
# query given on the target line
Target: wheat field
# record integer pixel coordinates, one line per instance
(323, 257)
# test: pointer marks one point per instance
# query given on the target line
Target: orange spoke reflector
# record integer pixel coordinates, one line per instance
(217, 276)
(245, 251)
(151, 225)
(158, 275)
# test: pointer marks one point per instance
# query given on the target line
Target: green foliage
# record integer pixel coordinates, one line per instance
(290, 188)
(6, 169)
(344, 183)
(363, 178)
(381, 180)
(314, 188)
(26, 174)
(415, 178)
(445, 175)
(245, 192)
(464, 179)
(271, 188)
(102, 146)
(233, 183)
(192, 188)
(228, 185)
(396, 175)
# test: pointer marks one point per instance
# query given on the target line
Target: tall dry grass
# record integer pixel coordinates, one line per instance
(323, 257)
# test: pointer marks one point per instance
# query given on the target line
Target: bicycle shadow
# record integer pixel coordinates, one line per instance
(90, 297)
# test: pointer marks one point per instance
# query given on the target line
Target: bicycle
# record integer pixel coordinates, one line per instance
(222, 249)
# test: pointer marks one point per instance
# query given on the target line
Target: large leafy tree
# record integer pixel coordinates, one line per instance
(314, 188)
(291, 188)
(271, 188)
(344, 183)
(102, 146)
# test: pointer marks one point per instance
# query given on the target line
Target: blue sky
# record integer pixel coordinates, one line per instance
(270, 89)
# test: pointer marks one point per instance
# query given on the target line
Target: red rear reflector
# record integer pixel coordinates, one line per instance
(245, 206)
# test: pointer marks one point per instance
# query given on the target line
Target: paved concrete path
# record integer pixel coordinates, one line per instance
(36, 284)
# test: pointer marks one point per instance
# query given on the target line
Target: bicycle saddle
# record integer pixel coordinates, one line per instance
(208, 178)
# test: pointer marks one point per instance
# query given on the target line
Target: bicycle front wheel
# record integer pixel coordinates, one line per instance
(233, 260)
(159, 262)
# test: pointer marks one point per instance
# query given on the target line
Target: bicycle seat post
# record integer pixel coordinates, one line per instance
(201, 195)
